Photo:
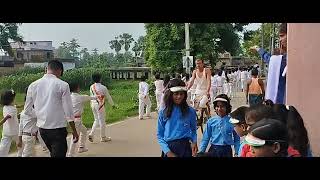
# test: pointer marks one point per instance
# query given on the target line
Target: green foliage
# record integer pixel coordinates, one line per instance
(82, 75)
(165, 43)
(9, 31)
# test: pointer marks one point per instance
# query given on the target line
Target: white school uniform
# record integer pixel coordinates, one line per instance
(159, 92)
(28, 130)
(10, 130)
(78, 104)
(144, 99)
(243, 77)
(220, 83)
(98, 109)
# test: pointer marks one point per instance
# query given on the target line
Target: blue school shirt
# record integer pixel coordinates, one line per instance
(282, 80)
(176, 127)
(219, 131)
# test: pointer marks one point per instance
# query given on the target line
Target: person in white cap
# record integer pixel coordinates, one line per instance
(177, 130)
(219, 131)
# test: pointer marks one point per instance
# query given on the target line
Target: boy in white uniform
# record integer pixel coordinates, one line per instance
(144, 98)
(159, 90)
(101, 92)
(77, 104)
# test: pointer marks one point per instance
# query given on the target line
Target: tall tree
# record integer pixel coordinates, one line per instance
(165, 42)
(139, 45)
(116, 45)
(9, 31)
(95, 52)
(73, 46)
(126, 40)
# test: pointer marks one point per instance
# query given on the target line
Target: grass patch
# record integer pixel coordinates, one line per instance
(124, 94)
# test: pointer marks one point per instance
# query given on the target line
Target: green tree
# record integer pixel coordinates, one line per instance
(116, 45)
(165, 42)
(73, 46)
(126, 40)
(252, 38)
(63, 51)
(139, 45)
(9, 31)
(95, 52)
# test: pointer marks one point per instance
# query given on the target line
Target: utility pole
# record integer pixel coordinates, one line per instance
(262, 46)
(187, 42)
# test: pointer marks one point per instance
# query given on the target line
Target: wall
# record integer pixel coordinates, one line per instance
(303, 83)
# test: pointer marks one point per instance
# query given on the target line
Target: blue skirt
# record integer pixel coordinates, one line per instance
(220, 151)
(180, 147)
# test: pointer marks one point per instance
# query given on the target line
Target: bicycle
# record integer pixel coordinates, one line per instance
(203, 114)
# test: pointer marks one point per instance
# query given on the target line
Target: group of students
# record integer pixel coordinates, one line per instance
(263, 130)
(38, 119)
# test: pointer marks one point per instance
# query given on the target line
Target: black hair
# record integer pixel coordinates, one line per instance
(168, 98)
(297, 132)
(187, 77)
(254, 72)
(227, 78)
(283, 28)
(259, 111)
(200, 60)
(280, 112)
(227, 104)
(268, 102)
(96, 77)
(271, 130)
(178, 76)
(166, 80)
(157, 76)
(74, 86)
(7, 97)
(239, 114)
(220, 73)
(55, 65)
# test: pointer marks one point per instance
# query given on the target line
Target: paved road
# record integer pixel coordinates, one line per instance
(131, 138)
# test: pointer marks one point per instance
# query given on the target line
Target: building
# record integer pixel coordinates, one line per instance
(226, 60)
(32, 51)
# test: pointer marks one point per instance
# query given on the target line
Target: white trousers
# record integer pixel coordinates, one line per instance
(5, 145)
(159, 96)
(28, 146)
(82, 130)
(142, 103)
(243, 84)
(99, 119)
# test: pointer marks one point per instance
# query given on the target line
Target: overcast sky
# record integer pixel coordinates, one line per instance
(89, 35)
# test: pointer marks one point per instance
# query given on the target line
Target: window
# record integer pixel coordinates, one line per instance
(48, 55)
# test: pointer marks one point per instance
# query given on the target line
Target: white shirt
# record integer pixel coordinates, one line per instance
(243, 75)
(220, 81)
(11, 126)
(78, 103)
(214, 80)
(52, 102)
(143, 88)
(102, 90)
(28, 123)
(159, 86)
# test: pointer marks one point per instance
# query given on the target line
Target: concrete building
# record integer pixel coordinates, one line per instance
(32, 51)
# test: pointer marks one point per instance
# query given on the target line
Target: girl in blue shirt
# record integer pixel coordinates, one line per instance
(177, 131)
(219, 131)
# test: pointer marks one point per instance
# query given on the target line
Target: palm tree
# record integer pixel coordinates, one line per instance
(126, 40)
